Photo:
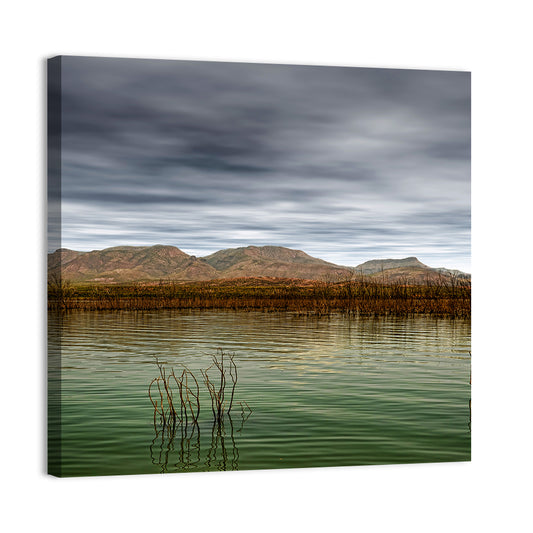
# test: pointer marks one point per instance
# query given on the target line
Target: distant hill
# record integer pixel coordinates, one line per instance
(61, 256)
(122, 264)
(452, 272)
(128, 263)
(378, 265)
(272, 261)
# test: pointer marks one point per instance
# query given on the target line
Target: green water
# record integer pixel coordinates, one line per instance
(324, 391)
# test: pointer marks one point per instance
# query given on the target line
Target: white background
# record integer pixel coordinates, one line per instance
(493, 492)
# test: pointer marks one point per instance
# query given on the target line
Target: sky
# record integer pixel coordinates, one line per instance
(347, 164)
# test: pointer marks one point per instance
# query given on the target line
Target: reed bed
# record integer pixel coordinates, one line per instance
(359, 297)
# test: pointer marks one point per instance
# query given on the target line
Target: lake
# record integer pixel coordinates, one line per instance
(324, 391)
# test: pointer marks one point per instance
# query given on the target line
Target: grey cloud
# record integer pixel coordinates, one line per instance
(209, 155)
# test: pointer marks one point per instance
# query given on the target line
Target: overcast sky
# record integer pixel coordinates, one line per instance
(347, 164)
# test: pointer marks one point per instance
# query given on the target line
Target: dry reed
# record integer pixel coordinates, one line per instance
(170, 387)
(362, 295)
(176, 397)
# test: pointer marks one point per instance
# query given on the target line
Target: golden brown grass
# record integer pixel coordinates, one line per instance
(363, 296)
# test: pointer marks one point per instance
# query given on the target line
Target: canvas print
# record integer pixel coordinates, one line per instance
(256, 266)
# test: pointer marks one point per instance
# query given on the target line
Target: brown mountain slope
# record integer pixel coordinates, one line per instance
(377, 265)
(129, 263)
(123, 264)
(61, 256)
(272, 261)
(408, 275)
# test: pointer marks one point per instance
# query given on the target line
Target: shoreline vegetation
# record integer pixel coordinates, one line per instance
(446, 297)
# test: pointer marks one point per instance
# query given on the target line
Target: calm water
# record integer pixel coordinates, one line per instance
(324, 391)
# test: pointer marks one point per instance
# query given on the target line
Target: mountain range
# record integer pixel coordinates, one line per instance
(122, 264)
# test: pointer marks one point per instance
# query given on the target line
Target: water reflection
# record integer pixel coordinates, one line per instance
(325, 392)
(177, 445)
(222, 442)
(178, 448)
(269, 338)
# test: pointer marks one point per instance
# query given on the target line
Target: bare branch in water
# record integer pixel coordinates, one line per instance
(185, 386)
